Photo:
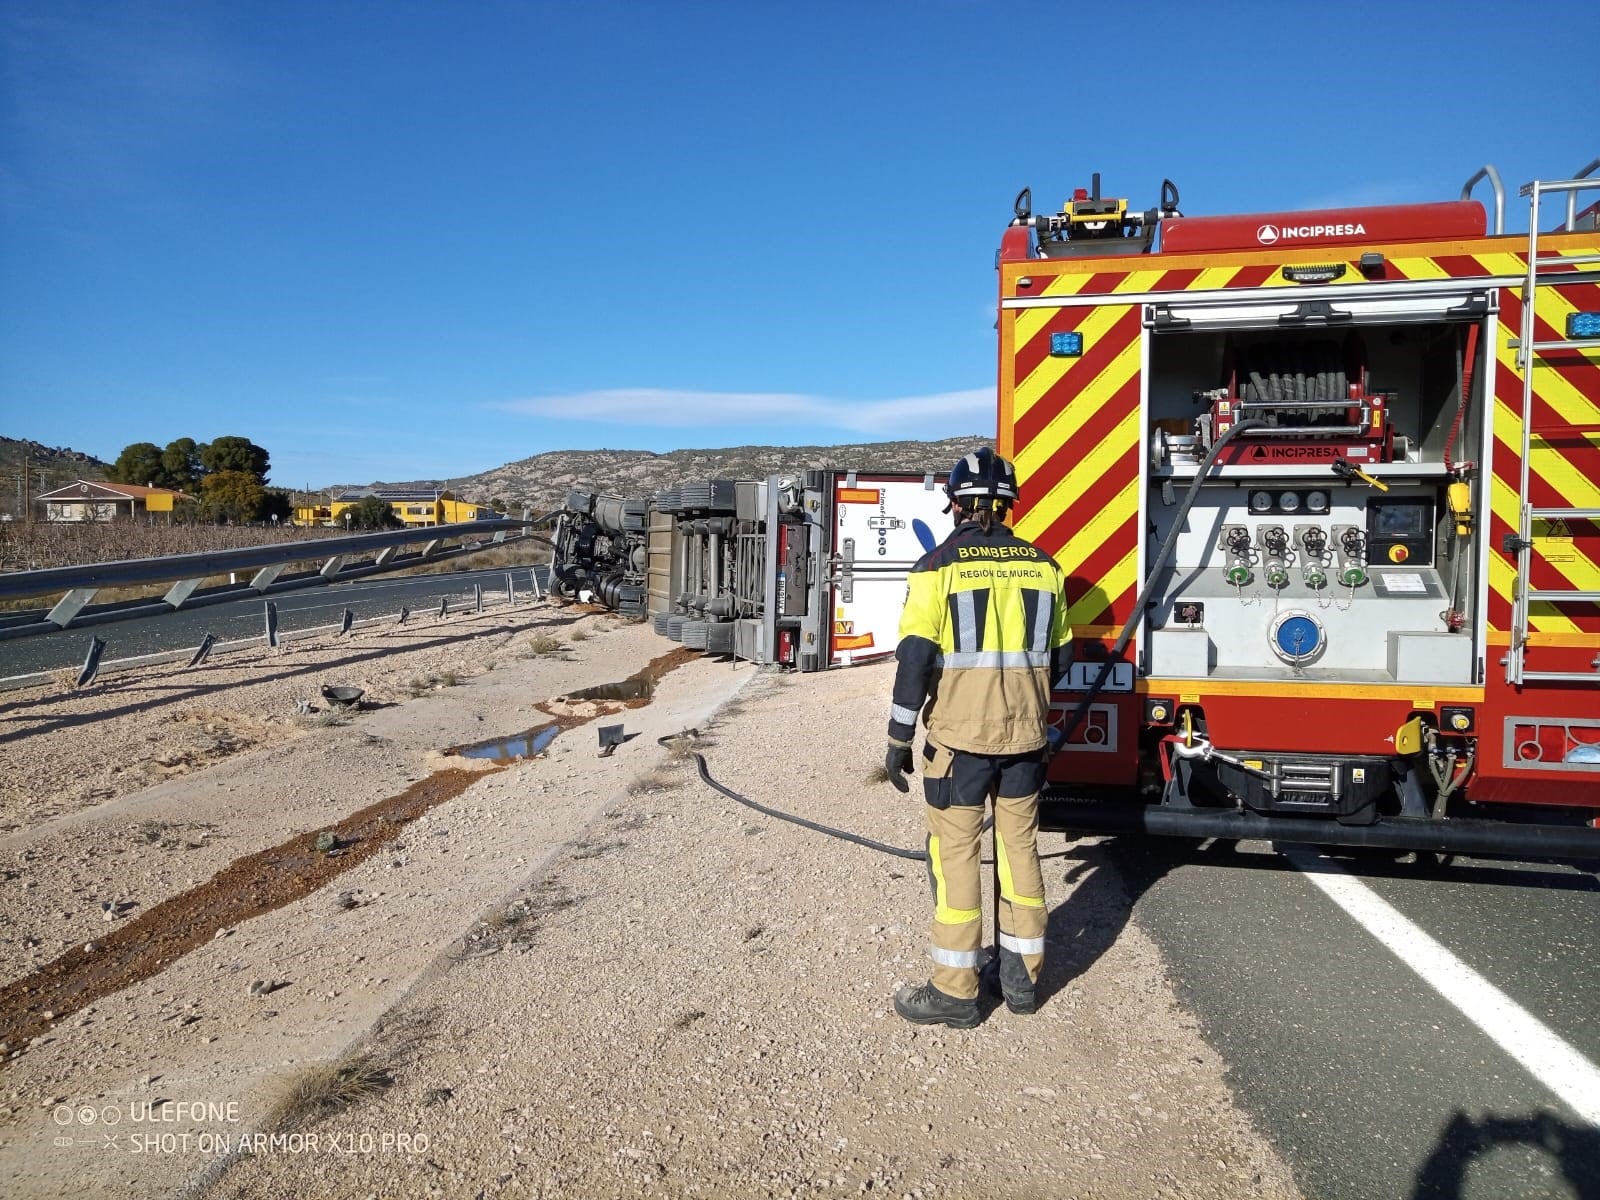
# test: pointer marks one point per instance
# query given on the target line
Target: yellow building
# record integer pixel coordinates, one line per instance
(412, 506)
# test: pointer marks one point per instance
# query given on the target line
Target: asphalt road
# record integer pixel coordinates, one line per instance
(1367, 1079)
(244, 618)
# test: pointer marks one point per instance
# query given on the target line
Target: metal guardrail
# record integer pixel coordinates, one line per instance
(187, 571)
(96, 665)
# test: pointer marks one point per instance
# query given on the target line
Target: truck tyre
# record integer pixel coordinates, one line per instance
(675, 627)
(694, 635)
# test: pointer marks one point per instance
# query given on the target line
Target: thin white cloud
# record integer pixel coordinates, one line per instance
(961, 411)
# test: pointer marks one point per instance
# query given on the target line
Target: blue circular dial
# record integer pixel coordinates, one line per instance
(1297, 637)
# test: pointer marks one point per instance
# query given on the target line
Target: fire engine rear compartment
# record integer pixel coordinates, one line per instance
(1284, 569)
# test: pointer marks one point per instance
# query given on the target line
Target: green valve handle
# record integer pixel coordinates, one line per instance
(1239, 575)
(1277, 577)
(1316, 579)
(1353, 576)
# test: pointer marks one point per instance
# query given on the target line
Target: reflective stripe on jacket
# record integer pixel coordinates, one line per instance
(984, 626)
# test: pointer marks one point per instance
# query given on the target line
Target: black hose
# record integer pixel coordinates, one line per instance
(1164, 557)
(705, 777)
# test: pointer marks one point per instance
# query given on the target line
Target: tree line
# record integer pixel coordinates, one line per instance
(227, 476)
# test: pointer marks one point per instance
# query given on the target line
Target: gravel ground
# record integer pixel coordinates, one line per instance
(577, 976)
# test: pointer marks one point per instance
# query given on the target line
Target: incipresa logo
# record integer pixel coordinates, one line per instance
(1267, 234)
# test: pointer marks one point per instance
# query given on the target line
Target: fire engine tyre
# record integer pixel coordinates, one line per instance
(719, 637)
(694, 635)
(658, 622)
(675, 625)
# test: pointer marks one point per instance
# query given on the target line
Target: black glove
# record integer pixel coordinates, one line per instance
(898, 765)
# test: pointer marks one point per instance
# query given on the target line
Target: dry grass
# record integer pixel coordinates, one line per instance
(878, 774)
(542, 644)
(326, 718)
(653, 781)
(319, 1091)
(580, 634)
(681, 748)
(421, 685)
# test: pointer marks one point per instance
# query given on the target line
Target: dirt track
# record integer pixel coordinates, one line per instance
(581, 976)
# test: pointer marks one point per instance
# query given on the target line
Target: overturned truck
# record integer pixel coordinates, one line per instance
(805, 571)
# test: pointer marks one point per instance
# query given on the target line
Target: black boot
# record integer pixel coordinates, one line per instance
(1005, 975)
(927, 1005)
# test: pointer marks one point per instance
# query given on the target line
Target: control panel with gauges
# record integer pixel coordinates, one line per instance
(1301, 579)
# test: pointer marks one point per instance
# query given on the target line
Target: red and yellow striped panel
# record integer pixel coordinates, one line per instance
(1075, 437)
(1564, 468)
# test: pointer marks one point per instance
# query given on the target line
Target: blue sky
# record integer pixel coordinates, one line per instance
(411, 240)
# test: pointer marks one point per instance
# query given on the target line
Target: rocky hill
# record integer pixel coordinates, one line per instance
(542, 482)
(49, 466)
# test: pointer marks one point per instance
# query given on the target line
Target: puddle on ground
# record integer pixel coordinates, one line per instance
(635, 688)
(506, 750)
(260, 883)
(633, 692)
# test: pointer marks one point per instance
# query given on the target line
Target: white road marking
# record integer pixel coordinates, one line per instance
(1544, 1054)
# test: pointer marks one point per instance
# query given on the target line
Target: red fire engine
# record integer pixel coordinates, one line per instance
(1327, 489)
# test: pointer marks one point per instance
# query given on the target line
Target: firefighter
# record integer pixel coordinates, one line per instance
(983, 634)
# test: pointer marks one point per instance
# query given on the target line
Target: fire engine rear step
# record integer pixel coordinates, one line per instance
(1462, 836)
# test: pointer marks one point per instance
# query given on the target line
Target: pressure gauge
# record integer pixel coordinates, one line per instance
(1289, 502)
(1317, 502)
(1260, 502)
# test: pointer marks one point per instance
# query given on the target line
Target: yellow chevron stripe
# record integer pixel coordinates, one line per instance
(1546, 460)
(1113, 585)
(1502, 264)
(1420, 268)
(1140, 281)
(1123, 508)
(1502, 576)
(1051, 371)
(1082, 475)
(1031, 320)
(1571, 405)
(1213, 279)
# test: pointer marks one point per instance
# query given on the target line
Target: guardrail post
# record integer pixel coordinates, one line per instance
(91, 663)
(272, 623)
(333, 566)
(428, 548)
(266, 577)
(346, 622)
(444, 605)
(477, 597)
(511, 589)
(385, 556)
(180, 592)
(69, 606)
(204, 652)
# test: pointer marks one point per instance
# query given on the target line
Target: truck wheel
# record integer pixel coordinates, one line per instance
(675, 627)
(658, 622)
(694, 635)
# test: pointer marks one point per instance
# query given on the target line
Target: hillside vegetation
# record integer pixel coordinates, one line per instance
(54, 466)
(542, 481)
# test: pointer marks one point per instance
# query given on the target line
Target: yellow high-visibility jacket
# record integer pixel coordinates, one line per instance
(982, 636)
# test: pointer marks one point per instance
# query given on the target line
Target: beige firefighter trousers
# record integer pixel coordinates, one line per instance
(956, 786)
